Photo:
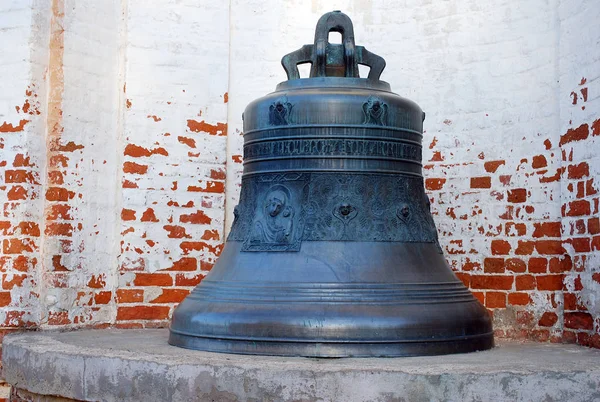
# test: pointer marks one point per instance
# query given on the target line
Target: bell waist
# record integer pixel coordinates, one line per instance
(279, 211)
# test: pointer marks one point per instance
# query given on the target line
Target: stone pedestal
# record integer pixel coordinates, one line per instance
(139, 365)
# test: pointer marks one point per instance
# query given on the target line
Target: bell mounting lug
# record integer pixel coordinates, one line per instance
(330, 59)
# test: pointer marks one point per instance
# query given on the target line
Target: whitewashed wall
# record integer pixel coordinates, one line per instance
(121, 143)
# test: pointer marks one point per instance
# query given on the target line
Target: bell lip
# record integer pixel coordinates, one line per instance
(392, 348)
(334, 82)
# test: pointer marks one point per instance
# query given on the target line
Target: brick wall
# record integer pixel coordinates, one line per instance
(579, 89)
(120, 148)
(173, 158)
(22, 127)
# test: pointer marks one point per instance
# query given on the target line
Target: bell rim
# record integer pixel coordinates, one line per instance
(332, 349)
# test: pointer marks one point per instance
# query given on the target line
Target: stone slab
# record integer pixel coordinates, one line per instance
(139, 365)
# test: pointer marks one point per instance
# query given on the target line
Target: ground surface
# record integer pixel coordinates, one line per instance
(139, 365)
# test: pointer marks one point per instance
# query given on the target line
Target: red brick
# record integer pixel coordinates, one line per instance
(580, 244)
(548, 319)
(481, 182)
(495, 299)
(518, 299)
(128, 214)
(525, 282)
(136, 151)
(569, 337)
(578, 171)
(28, 229)
(578, 284)
(537, 265)
(492, 166)
(59, 229)
(517, 195)
(595, 243)
(589, 188)
(198, 217)
(549, 247)
(496, 282)
(97, 281)
(434, 183)
(184, 264)
(58, 194)
(547, 229)
(19, 176)
(554, 178)
(500, 247)
(561, 264)
(22, 161)
(211, 187)
(142, 313)
(578, 227)
(493, 265)
(130, 295)
(593, 225)
(469, 265)
(24, 264)
(464, 277)
(129, 184)
(516, 265)
(59, 211)
(17, 246)
(134, 168)
(525, 247)
(5, 299)
(572, 303)
(579, 208)
(580, 189)
(56, 177)
(171, 296)
(152, 279)
(148, 216)
(515, 229)
(479, 296)
(508, 214)
(505, 179)
(206, 266)
(5, 227)
(103, 297)
(188, 280)
(575, 134)
(17, 193)
(14, 281)
(188, 246)
(436, 157)
(176, 232)
(211, 234)
(58, 318)
(579, 320)
(550, 282)
(539, 161)
(592, 341)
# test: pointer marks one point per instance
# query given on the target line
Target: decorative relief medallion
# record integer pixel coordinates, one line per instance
(279, 211)
(279, 112)
(375, 111)
(270, 215)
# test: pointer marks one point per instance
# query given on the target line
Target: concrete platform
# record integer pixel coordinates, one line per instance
(138, 365)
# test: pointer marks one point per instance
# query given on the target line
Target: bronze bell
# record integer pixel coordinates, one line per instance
(333, 250)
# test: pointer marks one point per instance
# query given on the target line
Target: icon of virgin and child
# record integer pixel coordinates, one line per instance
(274, 220)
